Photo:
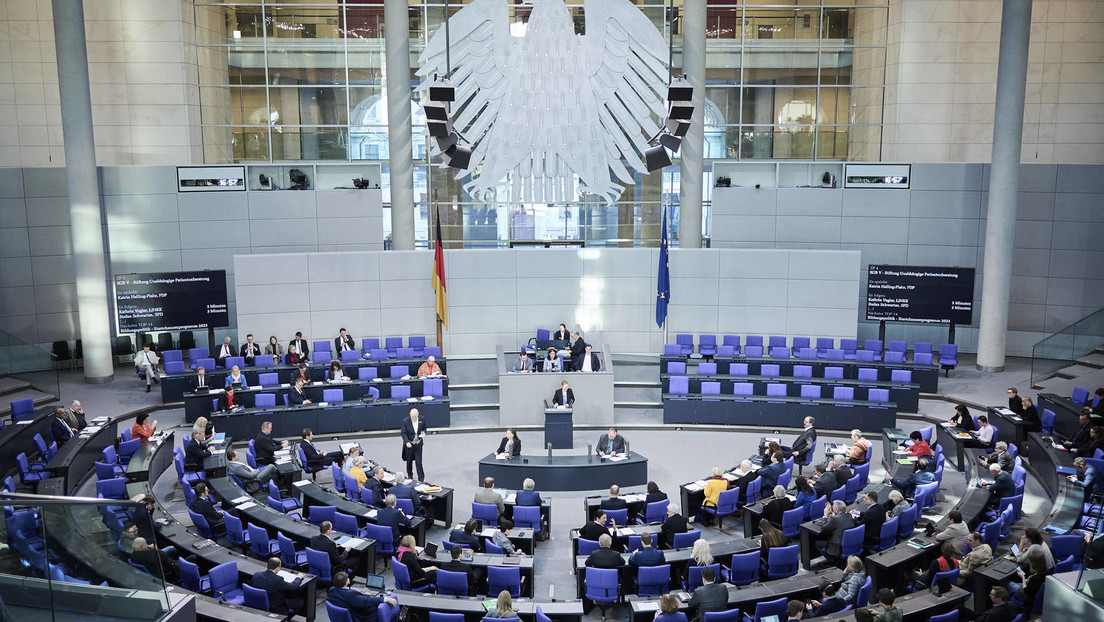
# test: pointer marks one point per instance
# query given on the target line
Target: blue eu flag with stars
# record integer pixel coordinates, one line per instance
(663, 281)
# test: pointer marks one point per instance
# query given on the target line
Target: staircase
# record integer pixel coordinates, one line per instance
(1074, 352)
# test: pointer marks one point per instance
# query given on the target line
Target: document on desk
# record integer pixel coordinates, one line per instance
(290, 577)
(99, 420)
(302, 482)
(618, 457)
(634, 498)
(488, 532)
(648, 605)
(696, 486)
(511, 498)
(241, 499)
(1005, 411)
(947, 424)
(427, 398)
(246, 505)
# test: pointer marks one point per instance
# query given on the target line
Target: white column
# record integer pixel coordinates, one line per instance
(691, 153)
(1000, 224)
(396, 24)
(84, 190)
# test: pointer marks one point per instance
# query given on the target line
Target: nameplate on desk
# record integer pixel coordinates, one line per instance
(302, 482)
(618, 457)
(284, 385)
(323, 404)
(241, 499)
(246, 505)
(947, 424)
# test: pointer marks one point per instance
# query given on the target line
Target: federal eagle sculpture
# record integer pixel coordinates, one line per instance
(552, 105)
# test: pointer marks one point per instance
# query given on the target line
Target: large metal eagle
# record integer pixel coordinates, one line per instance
(552, 104)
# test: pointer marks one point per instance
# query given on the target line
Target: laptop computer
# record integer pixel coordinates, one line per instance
(430, 549)
(374, 581)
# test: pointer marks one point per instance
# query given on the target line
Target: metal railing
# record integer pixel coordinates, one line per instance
(29, 363)
(1064, 347)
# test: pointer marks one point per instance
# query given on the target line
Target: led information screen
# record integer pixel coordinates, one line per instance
(927, 295)
(158, 301)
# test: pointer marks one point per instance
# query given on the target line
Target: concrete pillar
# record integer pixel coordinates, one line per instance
(84, 190)
(1000, 224)
(691, 153)
(396, 26)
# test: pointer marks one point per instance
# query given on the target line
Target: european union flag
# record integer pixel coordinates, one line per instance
(663, 281)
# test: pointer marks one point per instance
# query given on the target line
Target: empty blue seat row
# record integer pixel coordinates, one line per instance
(802, 348)
(866, 374)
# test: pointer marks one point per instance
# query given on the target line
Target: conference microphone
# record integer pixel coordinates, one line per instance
(590, 452)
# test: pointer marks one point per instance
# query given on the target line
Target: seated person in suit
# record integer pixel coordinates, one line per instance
(1002, 610)
(778, 505)
(336, 373)
(588, 361)
(455, 565)
(488, 496)
(421, 572)
(654, 494)
(773, 471)
(249, 350)
(551, 361)
(501, 538)
(714, 486)
(1030, 415)
(265, 446)
(229, 401)
(374, 483)
(604, 556)
(676, 523)
(152, 559)
(920, 475)
(362, 607)
(202, 505)
(344, 341)
(466, 536)
(200, 381)
(962, 418)
(76, 418)
(317, 459)
(984, 433)
(873, 517)
(430, 368)
(614, 502)
(252, 478)
(146, 362)
(141, 429)
(919, 448)
(1002, 486)
(402, 489)
(561, 334)
(59, 427)
(296, 396)
(195, 451)
(596, 528)
(281, 593)
(301, 347)
(235, 377)
(1000, 457)
(510, 445)
(564, 397)
(824, 482)
(841, 470)
(956, 533)
(391, 516)
(745, 474)
(1015, 403)
(303, 371)
(647, 555)
(711, 597)
(227, 349)
(357, 472)
(611, 443)
(342, 558)
(293, 357)
(275, 349)
(527, 496)
(523, 364)
(837, 520)
(829, 603)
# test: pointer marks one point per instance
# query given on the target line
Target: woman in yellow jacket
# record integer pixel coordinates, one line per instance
(713, 487)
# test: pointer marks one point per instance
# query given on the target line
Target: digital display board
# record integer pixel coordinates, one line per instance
(159, 301)
(922, 294)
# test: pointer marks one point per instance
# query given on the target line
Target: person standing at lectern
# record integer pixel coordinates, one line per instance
(588, 361)
(611, 443)
(413, 432)
(510, 445)
(564, 396)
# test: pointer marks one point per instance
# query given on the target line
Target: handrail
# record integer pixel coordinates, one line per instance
(52, 500)
(1063, 348)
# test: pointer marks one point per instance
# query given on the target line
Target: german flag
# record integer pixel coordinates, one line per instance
(439, 277)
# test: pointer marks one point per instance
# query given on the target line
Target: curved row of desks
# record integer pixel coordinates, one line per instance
(336, 418)
(905, 395)
(927, 376)
(783, 412)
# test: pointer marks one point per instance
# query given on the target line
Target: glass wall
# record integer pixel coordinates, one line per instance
(303, 80)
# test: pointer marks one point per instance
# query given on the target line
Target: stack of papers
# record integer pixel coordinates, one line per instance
(99, 420)
(511, 498)
(696, 486)
(291, 577)
(427, 488)
(618, 457)
(427, 398)
(412, 399)
(241, 499)
(282, 452)
(1005, 411)
(247, 504)
(634, 498)
(302, 482)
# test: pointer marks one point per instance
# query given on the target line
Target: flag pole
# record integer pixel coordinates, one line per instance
(440, 339)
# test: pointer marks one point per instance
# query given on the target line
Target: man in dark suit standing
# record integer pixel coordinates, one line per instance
(392, 517)
(604, 556)
(413, 433)
(59, 427)
(578, 346)
(343, 342)
(711, 597)
(340, 557)
(611, 443)
(279, 590)
(614, 502)
(301, 346)
(249, 350)
(588, 361)
(361, 606)
(203, 506)
(265, 446)
(195, 451)
(563, 396)
(317, 459)
(675, 523)
(804, 442)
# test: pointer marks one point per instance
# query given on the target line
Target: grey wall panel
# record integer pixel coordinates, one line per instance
(405, 322)
(875, 230)
(964, 256)
(640, 290)
(945, 204)
(279, 205)
(145, 261)
(745, 201)
(343, 267)
(690, 319)
(275, 323)
(753, 293)
(1033, 206)
(228, 235)
(1073, 292)
(1029, 262)
(210, 259)
(50, 241)
(47, 211)
(121, 180)
(57, 326)
(136, 208)
(823, 294)
(348, 230)
(691, 292)
(1078, 235)
(52, 270)
(1038, 178)
(1060, 316)
(753, 321)
(481, 292)
(212, 206)
(943, 232)
(15, 272)
(143, 236)
(338, 296)
(817, 229)
(820, 322)
(1034, 234)
(544, 263)
(413, 265)
(58, 298)
(271, 235)
(881, 253)
(24, 325)
(45, 182)
(18, 301)
(1029, 290)
(405, 294)
(485, 263)
(14, 243)
(1074, 206)
(936, 176)
(359, 323)
(864, 202)
(274, 297)
(1080, 178)
(271, 269)
(821, 265)
(729, 229)
(13, 213)
(346, 204)
(1026, 317)
(809, 202)
(1076, 264)
(11, 183)
(755, 264)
